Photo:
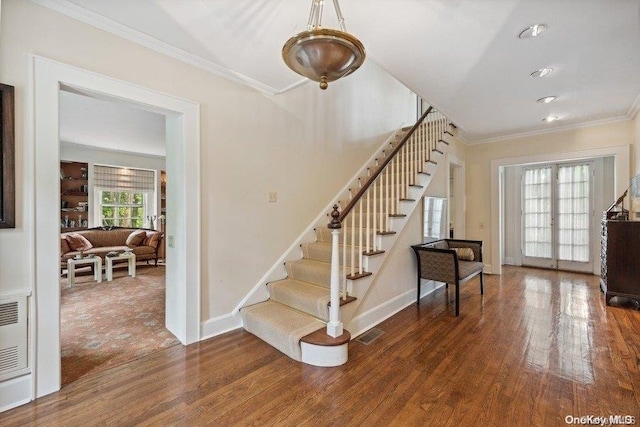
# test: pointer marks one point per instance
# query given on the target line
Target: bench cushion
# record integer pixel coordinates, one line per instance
(468, 269)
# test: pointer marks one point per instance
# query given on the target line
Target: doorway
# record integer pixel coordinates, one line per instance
(615, 179)
(556, 216)
(117, 151)
(456, 197)
(183, 267)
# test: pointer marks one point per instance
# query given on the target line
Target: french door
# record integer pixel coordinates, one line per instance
(556, 216)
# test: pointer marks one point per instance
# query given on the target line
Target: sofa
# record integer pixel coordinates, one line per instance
(99, 241)
(452, 261)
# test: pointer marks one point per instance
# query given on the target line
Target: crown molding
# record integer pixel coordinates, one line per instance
(581, 125)
(462, 138)
(86, 16)
(634, 109)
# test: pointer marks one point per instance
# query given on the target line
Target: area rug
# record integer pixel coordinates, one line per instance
(106, 324)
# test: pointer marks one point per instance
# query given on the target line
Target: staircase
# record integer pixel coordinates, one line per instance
(304, 314)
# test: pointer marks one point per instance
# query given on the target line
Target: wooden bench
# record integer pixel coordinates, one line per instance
(439, 261)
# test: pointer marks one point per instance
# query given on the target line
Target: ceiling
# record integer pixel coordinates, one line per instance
(462, 56)
(89, 119)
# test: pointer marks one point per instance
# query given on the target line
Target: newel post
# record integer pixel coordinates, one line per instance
(334, 327)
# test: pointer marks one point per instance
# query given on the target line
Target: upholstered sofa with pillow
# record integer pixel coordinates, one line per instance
(452, 261)
(102, 240)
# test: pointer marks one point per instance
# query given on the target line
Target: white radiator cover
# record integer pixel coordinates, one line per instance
(14, 336)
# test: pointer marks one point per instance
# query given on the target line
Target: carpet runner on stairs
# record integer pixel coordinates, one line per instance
(298, 305)
(280, 326)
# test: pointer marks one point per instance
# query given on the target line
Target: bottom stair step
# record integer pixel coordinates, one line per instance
(280, 326)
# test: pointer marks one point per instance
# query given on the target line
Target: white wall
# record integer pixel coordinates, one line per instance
(303, 145)
(583, 142)
(511, 209)
(395, 285)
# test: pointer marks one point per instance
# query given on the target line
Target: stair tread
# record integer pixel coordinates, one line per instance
(303, 296)
(310, 271)
(321, 265)
(280, 326)
(320, 337)
(328, 245)
(356, 276)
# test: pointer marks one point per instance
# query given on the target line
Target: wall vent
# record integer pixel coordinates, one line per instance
(13, 336)
(9, 359)
(8, 313)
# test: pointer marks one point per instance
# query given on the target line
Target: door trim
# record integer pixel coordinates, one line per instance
(554, 262)
(620, 153)
(42, 163)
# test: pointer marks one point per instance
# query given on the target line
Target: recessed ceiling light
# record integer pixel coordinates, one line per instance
(542, 72)
(550, 119)
(547, 99)
(532, 31)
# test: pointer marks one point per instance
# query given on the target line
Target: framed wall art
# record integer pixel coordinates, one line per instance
(7, 163)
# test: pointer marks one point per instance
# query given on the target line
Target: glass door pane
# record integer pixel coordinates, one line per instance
(574, 216)
(536, 213)
(556, 216)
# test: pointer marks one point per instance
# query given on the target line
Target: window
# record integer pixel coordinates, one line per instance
(122, 208)
(124, 197)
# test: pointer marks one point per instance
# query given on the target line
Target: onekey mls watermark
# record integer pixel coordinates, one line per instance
(593, 420)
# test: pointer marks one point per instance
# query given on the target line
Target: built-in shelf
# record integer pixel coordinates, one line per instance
(73, 194)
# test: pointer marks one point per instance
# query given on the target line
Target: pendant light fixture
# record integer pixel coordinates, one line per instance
(321, 54)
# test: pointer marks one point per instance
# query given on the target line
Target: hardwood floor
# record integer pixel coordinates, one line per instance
(538, 347)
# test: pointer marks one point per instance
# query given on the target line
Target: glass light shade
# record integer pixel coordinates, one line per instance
(547, 99)
(532, 31)
(543, 72)
(323, 55)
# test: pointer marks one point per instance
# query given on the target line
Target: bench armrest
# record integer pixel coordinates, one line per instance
(440, 265)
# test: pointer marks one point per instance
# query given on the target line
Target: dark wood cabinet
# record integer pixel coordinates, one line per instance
(620, 259)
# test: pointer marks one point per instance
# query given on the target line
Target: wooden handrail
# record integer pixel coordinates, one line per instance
(373, 177)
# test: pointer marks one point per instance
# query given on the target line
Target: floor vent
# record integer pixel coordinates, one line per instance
(369, 336)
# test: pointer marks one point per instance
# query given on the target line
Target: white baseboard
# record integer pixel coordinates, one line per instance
(509, 260)
(219, 325)
(15, 392)
(367, 320)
